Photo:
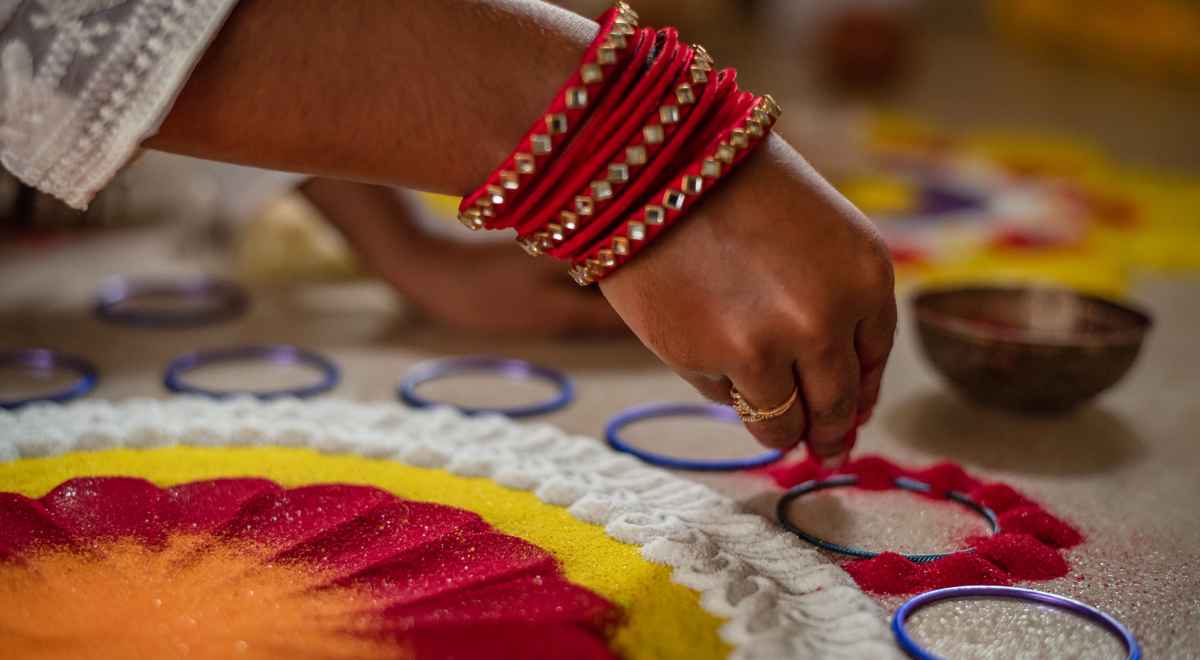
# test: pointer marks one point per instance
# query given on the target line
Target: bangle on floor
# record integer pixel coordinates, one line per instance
(281, 354)
(42, 362)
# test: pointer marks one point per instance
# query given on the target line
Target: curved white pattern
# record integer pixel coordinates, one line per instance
(780, 598)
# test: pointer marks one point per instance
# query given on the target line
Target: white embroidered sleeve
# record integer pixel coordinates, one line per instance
(84, 82)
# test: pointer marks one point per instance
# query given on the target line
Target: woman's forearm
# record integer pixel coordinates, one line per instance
(428, 95)
(433, 94)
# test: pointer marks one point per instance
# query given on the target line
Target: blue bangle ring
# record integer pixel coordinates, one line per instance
(510, 368)
(914, 650)
(612, 433)
(173, 379)
(44, 360)
(230, 301)
(903, 483)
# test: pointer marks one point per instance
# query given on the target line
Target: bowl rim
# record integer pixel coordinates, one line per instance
(926, 314)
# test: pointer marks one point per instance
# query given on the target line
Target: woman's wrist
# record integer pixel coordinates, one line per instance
(749, 190)
(380, 225)
(635, 137)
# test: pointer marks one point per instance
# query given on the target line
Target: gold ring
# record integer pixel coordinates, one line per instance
(749, 414)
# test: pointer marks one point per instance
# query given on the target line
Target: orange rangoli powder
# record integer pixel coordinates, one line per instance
(193, 599)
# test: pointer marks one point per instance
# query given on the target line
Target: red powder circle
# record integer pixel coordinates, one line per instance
(1028, 546)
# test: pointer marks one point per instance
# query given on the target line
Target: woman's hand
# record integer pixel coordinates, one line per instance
(497, 288)
(489, 288)
(774, 282)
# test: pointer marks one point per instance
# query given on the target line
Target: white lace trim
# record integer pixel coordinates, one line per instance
(780, 598)
(130, 60)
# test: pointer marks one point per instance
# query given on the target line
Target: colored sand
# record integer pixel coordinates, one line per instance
(113, 567)
(661, 619)
(216, 603)
(1026, 548)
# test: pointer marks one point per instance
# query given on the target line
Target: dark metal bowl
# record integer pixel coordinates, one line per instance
(1031, 349)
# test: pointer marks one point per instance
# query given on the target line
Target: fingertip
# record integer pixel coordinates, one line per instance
(832, 388)
(836, 452)
(782, 433)
(833, 434)
(780, 442)
(825, 449)
(869, 385)
(865, 415)
(835, 462)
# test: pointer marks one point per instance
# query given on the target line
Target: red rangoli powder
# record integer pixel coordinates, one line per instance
(116, 567)
(1028, 546)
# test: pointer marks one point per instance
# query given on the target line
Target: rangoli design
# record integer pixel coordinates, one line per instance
(372, 530)
(243, 567)
(1020, 206)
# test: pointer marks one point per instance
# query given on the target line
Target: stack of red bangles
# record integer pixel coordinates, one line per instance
(640, 132)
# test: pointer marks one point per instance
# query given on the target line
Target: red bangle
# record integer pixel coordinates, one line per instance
(645, 212)
(627, 145)
(720, 92)
(722, 155)
(640, 131)
(571, 172)
(684, 97)
(562, 119)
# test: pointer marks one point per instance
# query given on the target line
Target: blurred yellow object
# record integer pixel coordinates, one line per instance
(1169, 242)
(877, 194)
(1152, 38)
(1070, 268)
(1037, 154)
(1135, 221)
(1162, 231)
(289, 241)
(443, 206)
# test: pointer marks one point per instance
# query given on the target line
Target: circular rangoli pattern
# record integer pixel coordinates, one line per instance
(642, 563)
(242, 567)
